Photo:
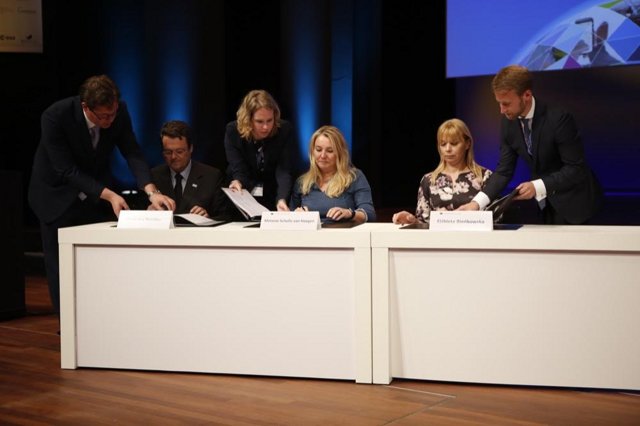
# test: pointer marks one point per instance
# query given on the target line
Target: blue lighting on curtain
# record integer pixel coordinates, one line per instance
(321, 67)
(177, 85)
(305, 71)
(342, 68)
(176, 66)
(173, 64)
(123, 43)
(307, 111)
(149, 50)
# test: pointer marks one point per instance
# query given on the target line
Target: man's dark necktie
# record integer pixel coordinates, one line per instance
(95, 136)
(177, 190)
(527, 133)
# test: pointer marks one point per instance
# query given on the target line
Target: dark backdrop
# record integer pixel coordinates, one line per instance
(195, 59)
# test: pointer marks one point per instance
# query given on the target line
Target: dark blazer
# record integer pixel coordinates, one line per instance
(203, 187)
(277, 177)
(66, 164)
(558, 159)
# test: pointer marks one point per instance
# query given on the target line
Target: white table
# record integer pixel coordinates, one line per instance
(541, 305)
(221, 300)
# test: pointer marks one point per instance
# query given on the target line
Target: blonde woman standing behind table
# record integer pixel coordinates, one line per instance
(258, 145)
(456, 180)
(332, 186)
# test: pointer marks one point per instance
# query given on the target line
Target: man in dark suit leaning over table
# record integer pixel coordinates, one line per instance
(547, 139)
(71, 175)
(196, 187)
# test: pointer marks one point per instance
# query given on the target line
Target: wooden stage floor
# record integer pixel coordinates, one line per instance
(35, 391)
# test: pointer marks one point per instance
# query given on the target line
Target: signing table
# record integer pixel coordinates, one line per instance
(222, 300)
(537, 305)
(540, 305)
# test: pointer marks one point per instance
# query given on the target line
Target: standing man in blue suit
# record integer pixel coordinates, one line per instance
(548, 141)
(198, 185)
(71, 178)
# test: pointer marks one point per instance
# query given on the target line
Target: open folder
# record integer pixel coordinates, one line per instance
(244, 201)
(190, 219)
(500, 205)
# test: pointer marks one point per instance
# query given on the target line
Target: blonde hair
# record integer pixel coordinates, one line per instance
(345, 172)
(456, 129)
(253, 101)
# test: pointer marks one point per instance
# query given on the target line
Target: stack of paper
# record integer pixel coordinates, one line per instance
(244, 201)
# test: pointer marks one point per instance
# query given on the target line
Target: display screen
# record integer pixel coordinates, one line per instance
(485, 35)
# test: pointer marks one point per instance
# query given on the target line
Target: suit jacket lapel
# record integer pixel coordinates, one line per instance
(537, 124)
(83, 129)
(518, 135)
(194, 177)
(165, 185)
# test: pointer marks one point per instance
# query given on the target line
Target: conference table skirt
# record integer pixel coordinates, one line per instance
(537, 305)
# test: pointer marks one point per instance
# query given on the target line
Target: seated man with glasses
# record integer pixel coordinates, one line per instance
(195, 187)
(71, 181)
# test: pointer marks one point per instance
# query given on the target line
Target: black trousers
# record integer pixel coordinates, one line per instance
(80, 213)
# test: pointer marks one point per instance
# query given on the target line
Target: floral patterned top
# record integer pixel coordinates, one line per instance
(445, 194)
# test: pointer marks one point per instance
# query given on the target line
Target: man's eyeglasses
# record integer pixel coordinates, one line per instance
(179, 152)
(105, 115)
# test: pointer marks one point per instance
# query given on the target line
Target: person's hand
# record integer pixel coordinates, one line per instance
(199, 210)
(301, 209)
(403, 218)
(471, 205)
(162, 202)
(282, 206)
(339, 213)
(526, 191)
(235, 185)
(117, 202)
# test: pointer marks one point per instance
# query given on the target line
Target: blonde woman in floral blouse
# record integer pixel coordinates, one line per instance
(456, 180)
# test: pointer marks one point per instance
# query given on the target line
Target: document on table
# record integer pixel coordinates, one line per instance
(244, 201)
(190, 219)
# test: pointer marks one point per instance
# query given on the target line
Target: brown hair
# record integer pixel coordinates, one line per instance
(99, 90)
(513, 77)
(176, 129)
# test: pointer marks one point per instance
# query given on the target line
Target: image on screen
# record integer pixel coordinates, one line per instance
(485, 35)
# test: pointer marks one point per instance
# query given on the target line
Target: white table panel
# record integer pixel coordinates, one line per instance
(216, 310)
(541, 305)
(225, 299)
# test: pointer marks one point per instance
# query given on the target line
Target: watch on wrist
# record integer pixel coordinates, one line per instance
(353, 214)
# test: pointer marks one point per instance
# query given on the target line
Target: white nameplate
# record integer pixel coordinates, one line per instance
(145, 219)
(441, 220)
(309, 221)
